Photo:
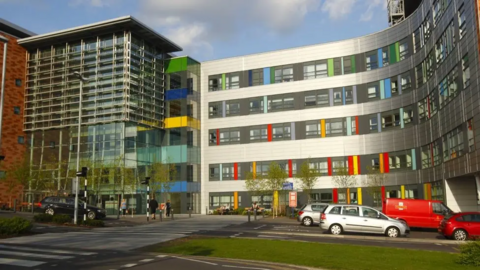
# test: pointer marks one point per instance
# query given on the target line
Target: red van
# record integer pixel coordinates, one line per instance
(416, 213)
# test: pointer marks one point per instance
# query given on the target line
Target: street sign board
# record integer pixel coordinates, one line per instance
(288, 186)
(292, 199)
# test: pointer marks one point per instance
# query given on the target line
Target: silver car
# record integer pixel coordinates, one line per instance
(309, 214)
(357, 218)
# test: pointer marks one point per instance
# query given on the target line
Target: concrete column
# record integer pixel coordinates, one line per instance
(477, 182)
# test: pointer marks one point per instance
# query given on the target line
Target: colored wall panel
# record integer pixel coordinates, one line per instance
(393, 54)
(359, 196)
(383, 194)
(266, 75)
(386, 163)
(414, 160)
(329, 161)
(292, 128)
(269, 132)
(330, 91)
(348, 196)
(223, 82)
(402, 191)
(349, 126)
(322, 126)
(379, 119)
(330, 68)
(254, 169)
(402, 123)
(176, 65)
(272, 75)
(176, 94)
(235, 200)
(179, 186)
(354, 94)
(343, 95)
(354, 68)
(265, 105)
(221, 172)
(275, 199)
(355, 165)
(388, 88)
(335, 195)
(250, 78)
(351, 167)
(181, 121)
(224, 108)
(380, 159)
(341, 63)
(382, 89)
(397, 51)
(235, 171)
(290, 168)
(357, 128)
(218, 137)
(174, 154)
(399, 84)
(380, 58)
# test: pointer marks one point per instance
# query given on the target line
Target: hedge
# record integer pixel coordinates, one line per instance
(93, 223)
(43, 218)
(62, 219)
(469, 254)
(14, 226)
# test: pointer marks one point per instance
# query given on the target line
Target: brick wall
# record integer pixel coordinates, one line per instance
(12, 126)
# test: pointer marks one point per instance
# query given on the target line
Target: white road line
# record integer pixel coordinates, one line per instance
(161, 256)
(128, 265)
(244, 267)
(146, 260)
(259, 227)
(270, 236)
(35, 255)
(55, 251)
(17, 262)
(194, 260)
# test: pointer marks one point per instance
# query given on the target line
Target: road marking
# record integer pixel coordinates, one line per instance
(244, 267)
(56, 251)
(17, 262)
(161, 256)
(128, 265)
(146, 260)
(195, 260)
(270, 236)
(259, 227)
(45, 256)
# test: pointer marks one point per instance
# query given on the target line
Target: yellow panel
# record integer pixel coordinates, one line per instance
(348, 195)
(381, 162)
(182, 121)
(254, 169)
(235, 200)
(322, 123)
(425, 192)
(359, 195)
(275, 199)
(355, 165)
(402, 189)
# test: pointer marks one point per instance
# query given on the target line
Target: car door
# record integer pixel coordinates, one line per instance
(371, 221)
(70, 205)
(57, 205)
(353, 221)
(317, 210)
(475, 225)
(436, 215)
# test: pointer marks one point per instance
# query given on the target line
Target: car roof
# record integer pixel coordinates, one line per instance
(468, 213)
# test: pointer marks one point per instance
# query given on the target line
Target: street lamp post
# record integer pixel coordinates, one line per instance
(77, 180)
(4, 70)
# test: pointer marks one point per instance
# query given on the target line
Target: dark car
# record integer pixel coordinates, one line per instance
(66, 205)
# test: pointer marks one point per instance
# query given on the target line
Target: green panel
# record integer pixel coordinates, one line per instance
(223, 82)
(397, 50)
(174, 154)
(393, 54)
(354, 68)
(176, 65)
(272, 75)
(330, 67)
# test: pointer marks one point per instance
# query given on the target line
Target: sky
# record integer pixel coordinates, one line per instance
(214, 29)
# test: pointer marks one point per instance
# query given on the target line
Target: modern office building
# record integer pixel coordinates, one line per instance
(403, 101)
(12, 142)
(137, 104)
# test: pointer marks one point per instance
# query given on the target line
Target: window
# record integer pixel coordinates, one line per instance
(326, 197)
(369, 212)
(348, 95)
(283, 74)
(214, 172)
(314, 70)
(313, 129)
(448, 88)
(419, 72)
(390, 119)
(232, 108)
(256, 105)
(347, 65)
(228, 171)
(403, 49)
(339, 164)
(18, 82)
(429, 66)
(212, 137)
(373, 123)
(215, 109)
(462, 24)
(281, 132)
(406, 82)
(394, 86)
(371, 58)
(317, 99)
(280, 103)
(350, 211)
(407, 115)
(336, 210)
(229, 136)
(261, 168)
(400, 160)
(215, 83)
(335, 127)
(232, 81)
(16, 110)
(320, 165)
(427, 27)
(417, 39)
(385, 57)
(445, 43)
(470, 135)
(373, 91)
(466, 71)
(432, 99)
(337, 66)
(436, 153)
(21, 140)
(423, 110)
(258, 134)
(453, 144)
(257, 77)
(337, 97)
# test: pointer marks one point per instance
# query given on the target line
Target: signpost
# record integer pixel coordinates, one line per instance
(288, 186)
(292, 201)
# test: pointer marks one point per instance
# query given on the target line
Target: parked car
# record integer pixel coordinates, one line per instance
(66, 205)
(461, 226)
(357, 218)
(416, 213)
(309, 214)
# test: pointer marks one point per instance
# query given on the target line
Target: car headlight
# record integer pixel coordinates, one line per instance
(100, 210)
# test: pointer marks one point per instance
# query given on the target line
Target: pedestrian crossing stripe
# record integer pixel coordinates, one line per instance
(18, 262)
(55, 251)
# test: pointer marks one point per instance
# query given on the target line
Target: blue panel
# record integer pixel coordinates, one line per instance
(176, 94)
(221, 172)
(414, 160)
(266, 75)
(343, 94)
(265, 105)
(399, 84)
(379, 121)
(402, 123)
(388, 88)
(179, 186)
(380, 58)
(250, 78)
(349, 126)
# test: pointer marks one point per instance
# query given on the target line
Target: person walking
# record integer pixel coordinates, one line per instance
(124, 207)
(153, 207)
(169, 208)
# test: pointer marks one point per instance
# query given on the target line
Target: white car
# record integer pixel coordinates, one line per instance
(357, 218)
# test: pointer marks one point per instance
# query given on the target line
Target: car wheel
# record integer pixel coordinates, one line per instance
(91, 215)
(50, 211)
(307, 221)
(336, 229)
(393, 232)
(460, 235)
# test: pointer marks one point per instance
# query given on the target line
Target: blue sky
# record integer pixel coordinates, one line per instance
(213, 29)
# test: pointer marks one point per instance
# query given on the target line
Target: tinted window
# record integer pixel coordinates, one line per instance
(318, 207)
(476, 218)
(335, 210)
(368, 212)
(350, 211)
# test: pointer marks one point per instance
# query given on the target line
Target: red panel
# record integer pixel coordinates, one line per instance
(218, 136)
(290, 168)
(383, 193)
(269, 131)
(335, 195)
(235, 171)
(428, 106)
(358, 164)
(356, 126)
(329, 161)
(431, 154)
(351, 170)
(386, 161)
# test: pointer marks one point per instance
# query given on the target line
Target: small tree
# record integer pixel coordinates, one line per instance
(308, 178)
(274, 180)
(373, 183)
(255, 185)
(162, 177)
(21, 174)
(343, 180)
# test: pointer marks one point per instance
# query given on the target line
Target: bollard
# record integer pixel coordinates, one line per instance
(263, 213)
(255, 214)
(171, 212)
(206, 210)
(14, 205)
(189, 212)
(161, 216)
(248, 214)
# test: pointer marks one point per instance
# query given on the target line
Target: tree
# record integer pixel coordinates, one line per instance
(274, 180)
(308, 178)
(373, 183)
(162, 177)
(255, 184)
(343, 180)
(19, 176)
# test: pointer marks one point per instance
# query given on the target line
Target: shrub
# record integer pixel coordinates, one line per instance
(469, 254)
(93, 223)
(62, 219)
(14, 226)
(43, 218)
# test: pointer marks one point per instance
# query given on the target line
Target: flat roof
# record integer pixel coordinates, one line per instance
(100, 28)
(14, 30)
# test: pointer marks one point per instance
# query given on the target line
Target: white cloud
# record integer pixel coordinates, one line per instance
(372, 5)
(93, 3)
(338, 9)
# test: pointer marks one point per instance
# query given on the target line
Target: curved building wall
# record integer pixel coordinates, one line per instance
(426, 126)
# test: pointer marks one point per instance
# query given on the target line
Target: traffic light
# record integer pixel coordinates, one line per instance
(83, 172)
(146, 181)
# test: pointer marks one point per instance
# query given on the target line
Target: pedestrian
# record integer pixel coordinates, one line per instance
(153, 206)
(169, 208)
(124, 207)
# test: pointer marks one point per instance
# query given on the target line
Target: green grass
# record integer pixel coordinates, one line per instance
(327, 256)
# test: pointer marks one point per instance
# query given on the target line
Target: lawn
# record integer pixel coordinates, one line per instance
(327, 256)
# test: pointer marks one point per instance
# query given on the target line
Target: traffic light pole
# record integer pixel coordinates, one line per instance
(85, 204)
(148, 202)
